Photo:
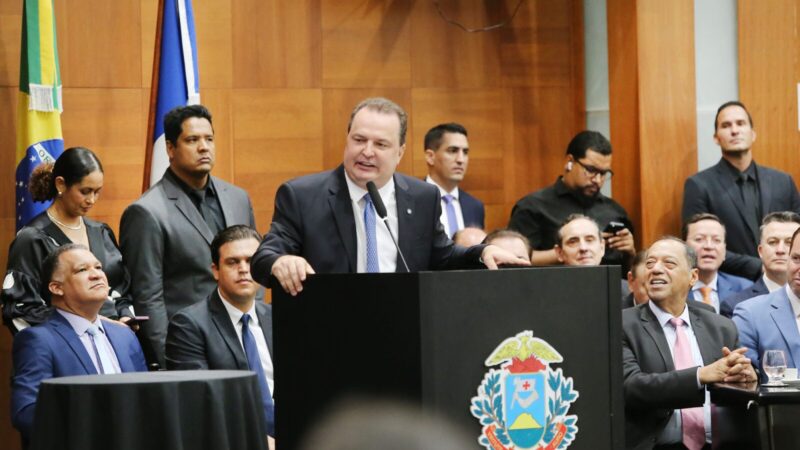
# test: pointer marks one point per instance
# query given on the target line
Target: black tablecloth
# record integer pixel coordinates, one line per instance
(191, 410)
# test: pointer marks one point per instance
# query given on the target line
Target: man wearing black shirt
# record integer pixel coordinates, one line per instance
(539, 215)
(739, 191)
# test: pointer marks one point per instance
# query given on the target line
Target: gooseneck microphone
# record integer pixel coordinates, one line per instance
(380, 208)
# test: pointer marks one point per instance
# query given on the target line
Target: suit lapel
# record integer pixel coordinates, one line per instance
(61, 326)
(732, 191)
(265, 321)
(222, 321)
(95, 234)
(225, 201)
(342, 211)
(117, 339)
(708, 348)
(653, 328)
(187, 208)
(765, 191)
(783, 316)
(405, 220)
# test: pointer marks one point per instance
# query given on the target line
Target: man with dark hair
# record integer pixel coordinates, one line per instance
(672, 350)
(73, 341)
(705, 234)
(773, 250)
(510, 240)
(328, 223)
(769, 322)
(580, 242)
(165, 235)
(739, 191)
(539, 215)
(447, 157)
(637, 287)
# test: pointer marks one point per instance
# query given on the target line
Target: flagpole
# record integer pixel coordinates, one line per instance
(151, 116)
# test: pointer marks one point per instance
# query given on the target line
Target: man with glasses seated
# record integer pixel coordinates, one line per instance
(539, 215)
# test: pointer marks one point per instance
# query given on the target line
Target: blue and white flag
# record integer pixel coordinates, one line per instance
(177, 82)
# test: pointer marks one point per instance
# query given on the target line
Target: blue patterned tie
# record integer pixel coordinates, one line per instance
(372, 241)
(254, 362)
(452, 222)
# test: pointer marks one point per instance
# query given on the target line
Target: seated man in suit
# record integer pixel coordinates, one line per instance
(776, 240)
(706, 235)
(769, 322)
(447, 157)
(510, 240)
(327, 222)
(74, 341)
(469, 236)
(671, 350)
(739, 191)
(580, 242)
(230, 330)
(637, 288)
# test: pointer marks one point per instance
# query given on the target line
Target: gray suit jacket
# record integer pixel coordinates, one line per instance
(653, 388)
(202, 337)
(166, 247)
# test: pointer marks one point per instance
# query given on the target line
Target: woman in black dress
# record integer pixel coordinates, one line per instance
(73, 183)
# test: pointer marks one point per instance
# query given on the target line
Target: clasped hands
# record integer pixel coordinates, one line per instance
(733, 367)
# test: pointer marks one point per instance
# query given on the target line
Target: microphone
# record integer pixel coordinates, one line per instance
(380, 208)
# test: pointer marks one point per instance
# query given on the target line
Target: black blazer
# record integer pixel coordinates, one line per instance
(653, 388)
(713, 190)
(472, 210)
(314, 219)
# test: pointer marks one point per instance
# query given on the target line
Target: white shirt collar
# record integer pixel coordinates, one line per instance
(664, 317)
(771, 285)
(80, 324)
(236, 314)
(712, 285)
(357, 192)
(793, 300)
(442, 192)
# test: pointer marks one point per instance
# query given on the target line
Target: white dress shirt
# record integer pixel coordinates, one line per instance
(80, 325)
(795, 302)
(697, 295)
(673, 433)
(387, 252)
(771, 285)
(261, 342)
(456, 205)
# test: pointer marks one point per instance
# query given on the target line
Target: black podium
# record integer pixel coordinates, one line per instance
(425, 337)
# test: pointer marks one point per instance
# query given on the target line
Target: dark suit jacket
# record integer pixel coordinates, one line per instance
(314, 219)
(728, 285)
(472, 210)
(52, 350)
(652, 386)
(165, 244)
(713, 190)
(728, 304)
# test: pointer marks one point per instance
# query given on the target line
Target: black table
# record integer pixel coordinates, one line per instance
(753, 417)
(191, 410)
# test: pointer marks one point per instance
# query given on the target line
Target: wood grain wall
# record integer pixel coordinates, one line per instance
(281, 77)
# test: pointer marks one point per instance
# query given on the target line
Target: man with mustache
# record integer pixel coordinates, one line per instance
(739, 191)
(215, 334)
(74, 341)
(770, 322)
(706, 235)
(776, 240)
(165, 235)
(671, 350)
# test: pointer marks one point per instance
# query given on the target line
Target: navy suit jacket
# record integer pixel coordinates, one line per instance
(713, 190)
(767, 322)
(728, 285)
(53, 350)
(314, 219)
(728, 304)
(472, 210)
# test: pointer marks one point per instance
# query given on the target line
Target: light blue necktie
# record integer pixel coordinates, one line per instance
(452, 222)
(373, 266)
(104, 363)
(254, 362)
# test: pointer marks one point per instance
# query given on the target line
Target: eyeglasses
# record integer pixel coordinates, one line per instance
(592, 171)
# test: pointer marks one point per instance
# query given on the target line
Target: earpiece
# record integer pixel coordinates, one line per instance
(569, 166)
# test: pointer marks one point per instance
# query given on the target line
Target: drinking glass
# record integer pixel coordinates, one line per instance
(774, 365)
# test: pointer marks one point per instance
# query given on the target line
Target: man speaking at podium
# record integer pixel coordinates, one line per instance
(329, 223)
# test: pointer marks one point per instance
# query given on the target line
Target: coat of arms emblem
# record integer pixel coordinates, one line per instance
(524, 403)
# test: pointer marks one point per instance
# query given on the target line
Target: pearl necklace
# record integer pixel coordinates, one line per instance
(58, 222)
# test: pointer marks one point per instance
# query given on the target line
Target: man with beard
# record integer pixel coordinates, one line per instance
(539, 215)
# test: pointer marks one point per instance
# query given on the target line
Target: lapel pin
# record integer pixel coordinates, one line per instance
(408, 211)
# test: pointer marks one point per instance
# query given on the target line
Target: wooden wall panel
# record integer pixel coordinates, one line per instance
(768, 77)
(281, 78)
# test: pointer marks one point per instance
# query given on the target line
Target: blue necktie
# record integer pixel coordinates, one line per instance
(452, 222)
(373, 266)
(104, 364)
(251, 351)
